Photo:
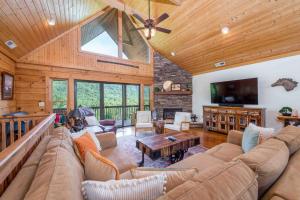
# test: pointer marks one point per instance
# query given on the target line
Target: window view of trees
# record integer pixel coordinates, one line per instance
(146, 97)
(109, 100)
(59, 95)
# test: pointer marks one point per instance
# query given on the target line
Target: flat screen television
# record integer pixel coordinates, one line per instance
(235, 93)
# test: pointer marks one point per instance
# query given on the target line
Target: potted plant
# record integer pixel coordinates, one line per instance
(286, 111)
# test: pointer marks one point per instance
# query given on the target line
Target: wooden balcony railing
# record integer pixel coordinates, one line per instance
(14, 127)
(14, 155)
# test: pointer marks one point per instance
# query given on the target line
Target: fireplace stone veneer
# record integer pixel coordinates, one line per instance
(166, 70)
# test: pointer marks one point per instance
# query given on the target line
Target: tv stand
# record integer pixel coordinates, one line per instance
(231, 105)
(223, 119)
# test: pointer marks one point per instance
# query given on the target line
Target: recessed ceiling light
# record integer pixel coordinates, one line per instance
(51, 21)
(225, 30)
(173, 53)
(11, 44)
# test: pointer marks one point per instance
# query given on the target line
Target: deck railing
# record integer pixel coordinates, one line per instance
(13, 156)
(14, 127)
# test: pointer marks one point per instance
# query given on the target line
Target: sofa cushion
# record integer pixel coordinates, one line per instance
(250, 139)
(268, 160)
(225, 151)
(288, 185)
(232, 180)
(291, 136)
(18, 188)
(59, 176)
(175, 177)
(149, 188)
(36, 155)
(200, 161)
(83, 144)
(99, 168)
(120, 158)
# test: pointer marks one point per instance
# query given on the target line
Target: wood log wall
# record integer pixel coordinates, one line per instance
(61, 58)
(6, 65)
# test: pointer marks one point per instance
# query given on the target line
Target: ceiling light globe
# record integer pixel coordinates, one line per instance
(225, 30)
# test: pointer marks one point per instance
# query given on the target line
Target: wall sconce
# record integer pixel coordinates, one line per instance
(41, 105)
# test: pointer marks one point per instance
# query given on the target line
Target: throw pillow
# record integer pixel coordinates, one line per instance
(99, 168)
(92, 121)
(92, 134)
(264, 133)
(149, 188)
(175, 177)
(85, 143)
(250, 139)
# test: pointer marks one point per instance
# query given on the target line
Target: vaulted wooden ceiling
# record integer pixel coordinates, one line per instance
(259, 29)
(25, 21)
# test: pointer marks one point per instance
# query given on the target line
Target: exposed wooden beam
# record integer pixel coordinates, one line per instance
(120, 5)
(177, 2)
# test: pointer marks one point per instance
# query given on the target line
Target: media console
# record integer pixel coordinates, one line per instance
(223, 119)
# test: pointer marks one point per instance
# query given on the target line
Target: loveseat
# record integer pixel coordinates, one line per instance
(269, 171)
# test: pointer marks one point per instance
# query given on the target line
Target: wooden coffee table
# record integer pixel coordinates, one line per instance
(159, 146)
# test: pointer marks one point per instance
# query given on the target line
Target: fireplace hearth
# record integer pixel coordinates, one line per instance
(169, 113)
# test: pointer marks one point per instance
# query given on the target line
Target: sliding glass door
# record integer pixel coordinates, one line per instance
(87, 94)
(109, 100)
(113, 102)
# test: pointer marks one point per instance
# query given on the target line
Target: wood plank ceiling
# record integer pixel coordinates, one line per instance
(259, 30)
(25, 21)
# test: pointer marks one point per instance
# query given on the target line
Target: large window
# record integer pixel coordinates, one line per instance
(109, 100)
(88, 95)
(146, 97)
(102, 36)
(59, 96)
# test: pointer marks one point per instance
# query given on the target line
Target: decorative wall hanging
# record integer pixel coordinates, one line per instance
(288, 83)
(7, 86)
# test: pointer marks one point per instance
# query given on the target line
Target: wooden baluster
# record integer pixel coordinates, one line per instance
(26, 125)
(19, 128)
(3, 134)
(12, 131)
(34, 122)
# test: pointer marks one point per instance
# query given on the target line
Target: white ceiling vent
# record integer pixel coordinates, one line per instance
(220, 64)
(11, 44)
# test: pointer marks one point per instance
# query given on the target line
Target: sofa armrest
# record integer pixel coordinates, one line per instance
(107, 140)
(235, 137)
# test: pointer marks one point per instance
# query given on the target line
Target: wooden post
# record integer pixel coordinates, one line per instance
(142, 97)
(70, 94)
(120, 35)
(3, 124)
(152, 97)
(12, 131)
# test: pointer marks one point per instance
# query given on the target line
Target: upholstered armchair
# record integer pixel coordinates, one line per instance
(143, 120)
(181, 122)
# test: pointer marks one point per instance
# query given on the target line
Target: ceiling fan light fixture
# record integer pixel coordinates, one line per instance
(173, 53)
(51, 21)
(148, 32)
(225, 30)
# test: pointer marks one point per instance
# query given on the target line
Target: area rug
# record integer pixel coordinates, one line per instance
(128, 145)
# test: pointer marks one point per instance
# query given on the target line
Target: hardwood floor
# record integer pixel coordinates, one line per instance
(209, 139)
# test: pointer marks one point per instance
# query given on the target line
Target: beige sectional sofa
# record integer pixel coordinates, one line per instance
(269, 171)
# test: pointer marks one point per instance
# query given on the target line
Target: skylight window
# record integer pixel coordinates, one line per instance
(102, 44)
(101, 36)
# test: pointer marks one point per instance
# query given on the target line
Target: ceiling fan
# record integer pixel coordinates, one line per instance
(150, 25)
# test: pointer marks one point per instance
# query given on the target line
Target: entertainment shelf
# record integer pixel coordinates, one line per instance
(223, 119)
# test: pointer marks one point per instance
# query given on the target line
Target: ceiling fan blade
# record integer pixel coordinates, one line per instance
(139, 18)
(140, 28)
(161, 18)
(164, 30)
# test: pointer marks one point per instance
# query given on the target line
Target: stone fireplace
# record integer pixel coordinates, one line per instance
(169, 113)
(165, 70)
